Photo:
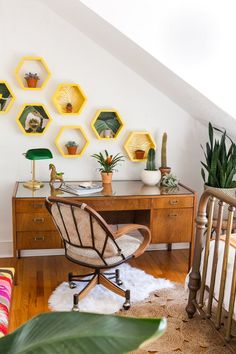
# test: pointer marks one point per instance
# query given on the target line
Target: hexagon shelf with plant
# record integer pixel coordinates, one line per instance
(32, 73)
(107, 124)
(33, 119)
(6, 97)
(138, 144)
(71, 141)
(69, 99)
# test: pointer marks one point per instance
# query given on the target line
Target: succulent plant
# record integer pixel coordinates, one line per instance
(163, 151)
(151, 165)
(169, 180)
(31, 76)
(71, 143)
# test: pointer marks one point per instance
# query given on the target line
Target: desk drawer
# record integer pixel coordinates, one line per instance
(31, 206)
(34, 222)
(118, 204)
(173, 202)
(172, 225)
(38, 240)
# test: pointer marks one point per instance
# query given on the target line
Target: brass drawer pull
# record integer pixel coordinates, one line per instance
(37, 206)
(172, 215)
(38, 220)
(174, 202)
(39, 238)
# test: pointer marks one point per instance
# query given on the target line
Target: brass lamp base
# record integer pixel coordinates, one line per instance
(33, 185)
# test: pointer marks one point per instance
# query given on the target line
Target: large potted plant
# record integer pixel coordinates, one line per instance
(108, 164)
(220, 164)
(151, 175)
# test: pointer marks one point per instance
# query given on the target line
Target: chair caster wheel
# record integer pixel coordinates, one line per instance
(119, 282)
(127, 304)
(75, 309)
(72, 285)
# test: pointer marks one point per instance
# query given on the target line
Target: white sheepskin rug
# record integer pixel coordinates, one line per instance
(101, 300)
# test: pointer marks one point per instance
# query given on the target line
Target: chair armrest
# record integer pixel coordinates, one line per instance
(144, 230)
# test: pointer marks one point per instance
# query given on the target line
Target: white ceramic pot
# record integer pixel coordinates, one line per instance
(228, 191)
(151, 178)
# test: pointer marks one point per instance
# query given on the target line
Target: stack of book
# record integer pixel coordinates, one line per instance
(82, 188)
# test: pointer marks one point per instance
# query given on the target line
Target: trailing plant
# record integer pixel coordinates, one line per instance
(82, 333)
(31, 76)
(220, 161)
(71, 143)
(151, 165)
(163, 150)
(169, 180)
(108, 162)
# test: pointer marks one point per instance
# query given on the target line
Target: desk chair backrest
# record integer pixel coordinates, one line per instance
(82, 227)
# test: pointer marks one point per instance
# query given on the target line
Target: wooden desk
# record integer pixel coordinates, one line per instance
(169, 213)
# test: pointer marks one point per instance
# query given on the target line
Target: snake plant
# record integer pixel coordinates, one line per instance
(220, 164)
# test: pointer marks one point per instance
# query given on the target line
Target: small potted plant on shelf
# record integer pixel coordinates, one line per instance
(31, 79)
(151, 175)
(69, 108)
(139, 154)
(108, 164)
(71, 147)
(164, 169)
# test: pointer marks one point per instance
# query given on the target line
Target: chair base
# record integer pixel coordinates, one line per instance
(98, 278)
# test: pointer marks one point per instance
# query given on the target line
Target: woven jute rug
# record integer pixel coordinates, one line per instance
(183, 335)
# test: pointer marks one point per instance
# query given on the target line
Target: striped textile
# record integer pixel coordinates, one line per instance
(6, 283)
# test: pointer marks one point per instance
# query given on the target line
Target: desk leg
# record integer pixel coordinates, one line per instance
(169, 246)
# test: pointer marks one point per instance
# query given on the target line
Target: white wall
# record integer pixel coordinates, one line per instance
(107, 83)
(195, 39)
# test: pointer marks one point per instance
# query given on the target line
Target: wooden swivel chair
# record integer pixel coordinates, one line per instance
(90, 242)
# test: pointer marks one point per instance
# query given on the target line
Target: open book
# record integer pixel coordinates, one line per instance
(82, 188)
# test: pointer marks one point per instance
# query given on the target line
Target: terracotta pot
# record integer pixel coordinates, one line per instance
(32, 82)
(165, 170)
(72, 150)
(139, 154)
(106, 177)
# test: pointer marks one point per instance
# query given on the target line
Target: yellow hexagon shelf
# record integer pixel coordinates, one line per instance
(69, 99)
(107, 124)
(33, 119)
(6, 97)
(36, 70)
(75, 135)
(138, 144)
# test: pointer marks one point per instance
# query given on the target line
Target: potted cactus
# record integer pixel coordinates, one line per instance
(71, 147)
(31, 79)
(164, 169)
(151, 175)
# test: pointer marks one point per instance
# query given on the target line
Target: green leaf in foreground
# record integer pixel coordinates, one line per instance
(81, 333)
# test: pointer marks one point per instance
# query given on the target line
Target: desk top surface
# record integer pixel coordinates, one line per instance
(116, 189)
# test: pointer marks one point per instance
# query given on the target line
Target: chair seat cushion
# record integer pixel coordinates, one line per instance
(126, 243)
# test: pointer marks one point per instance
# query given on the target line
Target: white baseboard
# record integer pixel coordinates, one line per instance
(164, 246)
(6, 249)
(44, 252)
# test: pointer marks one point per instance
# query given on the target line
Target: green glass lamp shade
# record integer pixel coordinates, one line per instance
(38, 154)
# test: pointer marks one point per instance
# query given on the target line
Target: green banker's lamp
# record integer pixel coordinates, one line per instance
(36, 154)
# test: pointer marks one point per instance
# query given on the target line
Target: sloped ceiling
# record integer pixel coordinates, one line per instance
(144, 64)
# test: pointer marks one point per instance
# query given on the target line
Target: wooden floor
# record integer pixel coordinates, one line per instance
(39, 276)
